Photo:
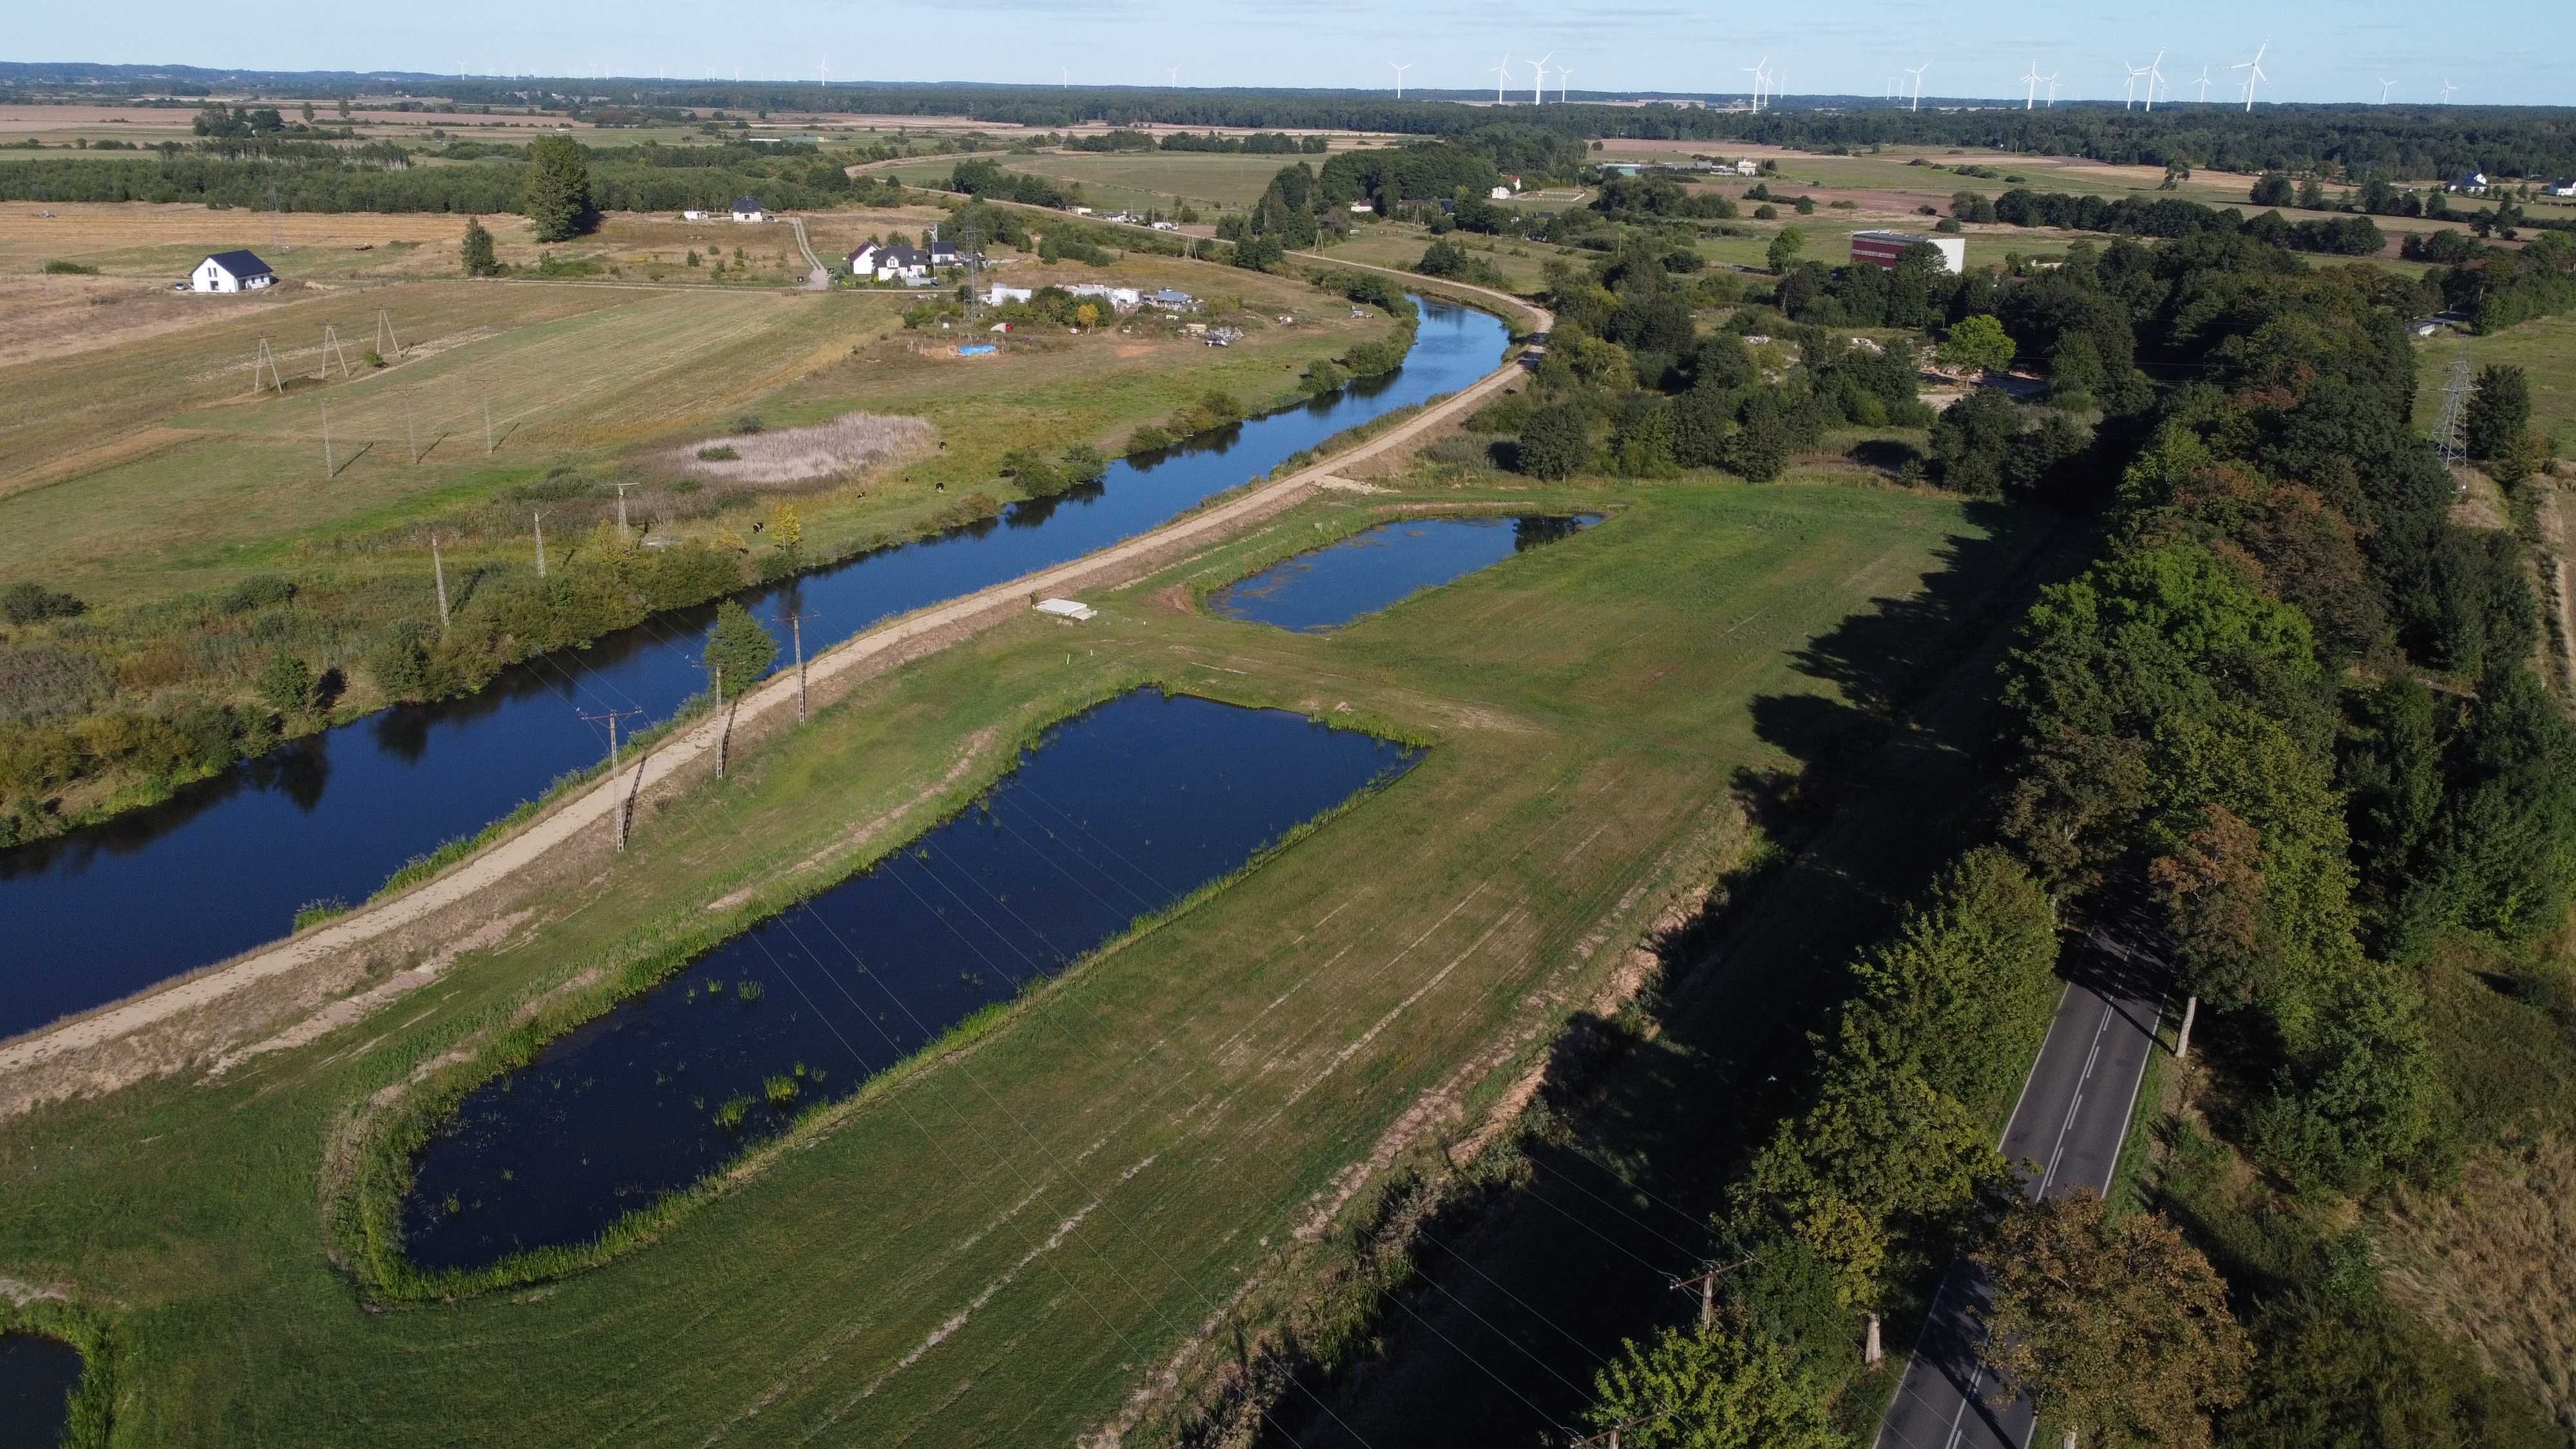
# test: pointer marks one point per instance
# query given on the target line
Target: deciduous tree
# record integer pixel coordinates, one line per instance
(2119, 1330)
(740, 647)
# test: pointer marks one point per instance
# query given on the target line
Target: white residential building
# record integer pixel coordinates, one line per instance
(237, 271)
(748, 209)
(1748, 167)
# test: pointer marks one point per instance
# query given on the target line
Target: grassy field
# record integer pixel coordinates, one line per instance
(1003, 1248)
(2544, 349)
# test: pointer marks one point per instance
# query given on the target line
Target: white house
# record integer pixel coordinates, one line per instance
(1362, 208)
(2564, 186)
(747, 208)
(693, 216)
(1172, 300)
(999, 294)
(1884, 249)
(231, 272)
(887, 264)
(2473, 184)
(1499, 193)
(1748, 167)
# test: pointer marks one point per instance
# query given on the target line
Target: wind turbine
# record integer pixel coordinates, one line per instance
(2383, 91)
(2204, 85)
(1174, 72)
(1064, 75)
(2155, 78)
(2030, 97)
(1501, 73)
(822, 72)
(1399, 76)
(1760, 73)
(1538, 80)
(1563, 76)
(2129, 92)
(2052, 89)
(2253, 72)
(1916, 103)
(2446, 90)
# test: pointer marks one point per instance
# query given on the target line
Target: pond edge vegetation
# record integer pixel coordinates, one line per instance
(92, 1335)
(368, 1175)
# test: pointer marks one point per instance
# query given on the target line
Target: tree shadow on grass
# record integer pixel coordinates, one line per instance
(1522, 1292)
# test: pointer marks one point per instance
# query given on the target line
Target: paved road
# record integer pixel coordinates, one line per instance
(2068, 1127)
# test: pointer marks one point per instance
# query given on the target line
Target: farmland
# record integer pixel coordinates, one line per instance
(1006, 1244)
(147, 470)
(2544, 349)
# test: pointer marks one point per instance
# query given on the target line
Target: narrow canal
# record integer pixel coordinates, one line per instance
(224, 865)
(37, 1377)
(1116, 813)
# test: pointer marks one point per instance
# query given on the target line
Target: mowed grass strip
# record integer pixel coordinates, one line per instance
(1001, 1248)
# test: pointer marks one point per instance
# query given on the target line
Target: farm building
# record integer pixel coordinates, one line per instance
(2563, 186)
(1748, 167)
(1883, 248)
(2472, 184)
(1171, 299)
(1121, 300)
(238, 271)
(747, 208)
(693, 216)
(1499, 193)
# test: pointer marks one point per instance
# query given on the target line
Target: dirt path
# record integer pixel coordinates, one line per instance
(819, 277)
(593, 809)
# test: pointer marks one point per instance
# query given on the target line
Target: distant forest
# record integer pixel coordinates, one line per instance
(2402, 143)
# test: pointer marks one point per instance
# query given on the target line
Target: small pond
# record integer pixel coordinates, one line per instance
(1377, 567)
(37, 1376)
(1114, 814)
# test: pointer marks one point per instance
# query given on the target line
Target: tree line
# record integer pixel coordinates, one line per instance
(2285, 725)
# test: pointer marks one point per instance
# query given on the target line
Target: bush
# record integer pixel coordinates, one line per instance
(286, 684)
(1148, 438)
(1556, 442)
(257, 591)
(28, 603)
(717, 453)
(59, 268)
(746, 425)
(399, 662)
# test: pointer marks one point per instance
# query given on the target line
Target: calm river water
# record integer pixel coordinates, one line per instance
(224, 865)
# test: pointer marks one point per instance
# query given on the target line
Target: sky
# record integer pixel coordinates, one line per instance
(2492, 51)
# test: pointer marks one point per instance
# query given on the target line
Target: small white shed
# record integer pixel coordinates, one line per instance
(231, 272)
(1073, 609)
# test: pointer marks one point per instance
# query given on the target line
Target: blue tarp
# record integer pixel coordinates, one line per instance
(978, 350)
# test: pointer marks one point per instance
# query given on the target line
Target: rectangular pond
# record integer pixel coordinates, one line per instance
(1114, 814)
(1381, 566)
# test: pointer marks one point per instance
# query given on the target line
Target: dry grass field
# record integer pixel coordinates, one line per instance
(2492, 1260)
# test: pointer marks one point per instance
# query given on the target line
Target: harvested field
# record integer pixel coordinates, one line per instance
(847, 444)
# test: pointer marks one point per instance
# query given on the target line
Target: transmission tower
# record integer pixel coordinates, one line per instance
(2451, 433)
(388, 346)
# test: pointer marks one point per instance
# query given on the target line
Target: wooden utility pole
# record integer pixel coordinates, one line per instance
(2182, 1040)
(411, 439)
(1871, 1350)
(611, 717)
(621, 510)
(388, 346)
(438, 570)
(331, 348)
(329, 469)
(724, 726)
(265, 361)
(540, 520)
(1706, 1283)
(487, 425)
(796, 633)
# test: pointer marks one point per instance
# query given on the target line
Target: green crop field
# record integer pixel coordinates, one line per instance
(1005, 1246)
(2545, 350)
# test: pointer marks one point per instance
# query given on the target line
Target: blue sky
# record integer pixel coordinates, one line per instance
(2511, 51)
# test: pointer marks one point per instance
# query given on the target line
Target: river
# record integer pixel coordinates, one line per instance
(223, 866)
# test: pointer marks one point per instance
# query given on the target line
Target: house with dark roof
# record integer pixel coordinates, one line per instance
(236, 271)
(748, 208)
(2563, 186)
(889, 263)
